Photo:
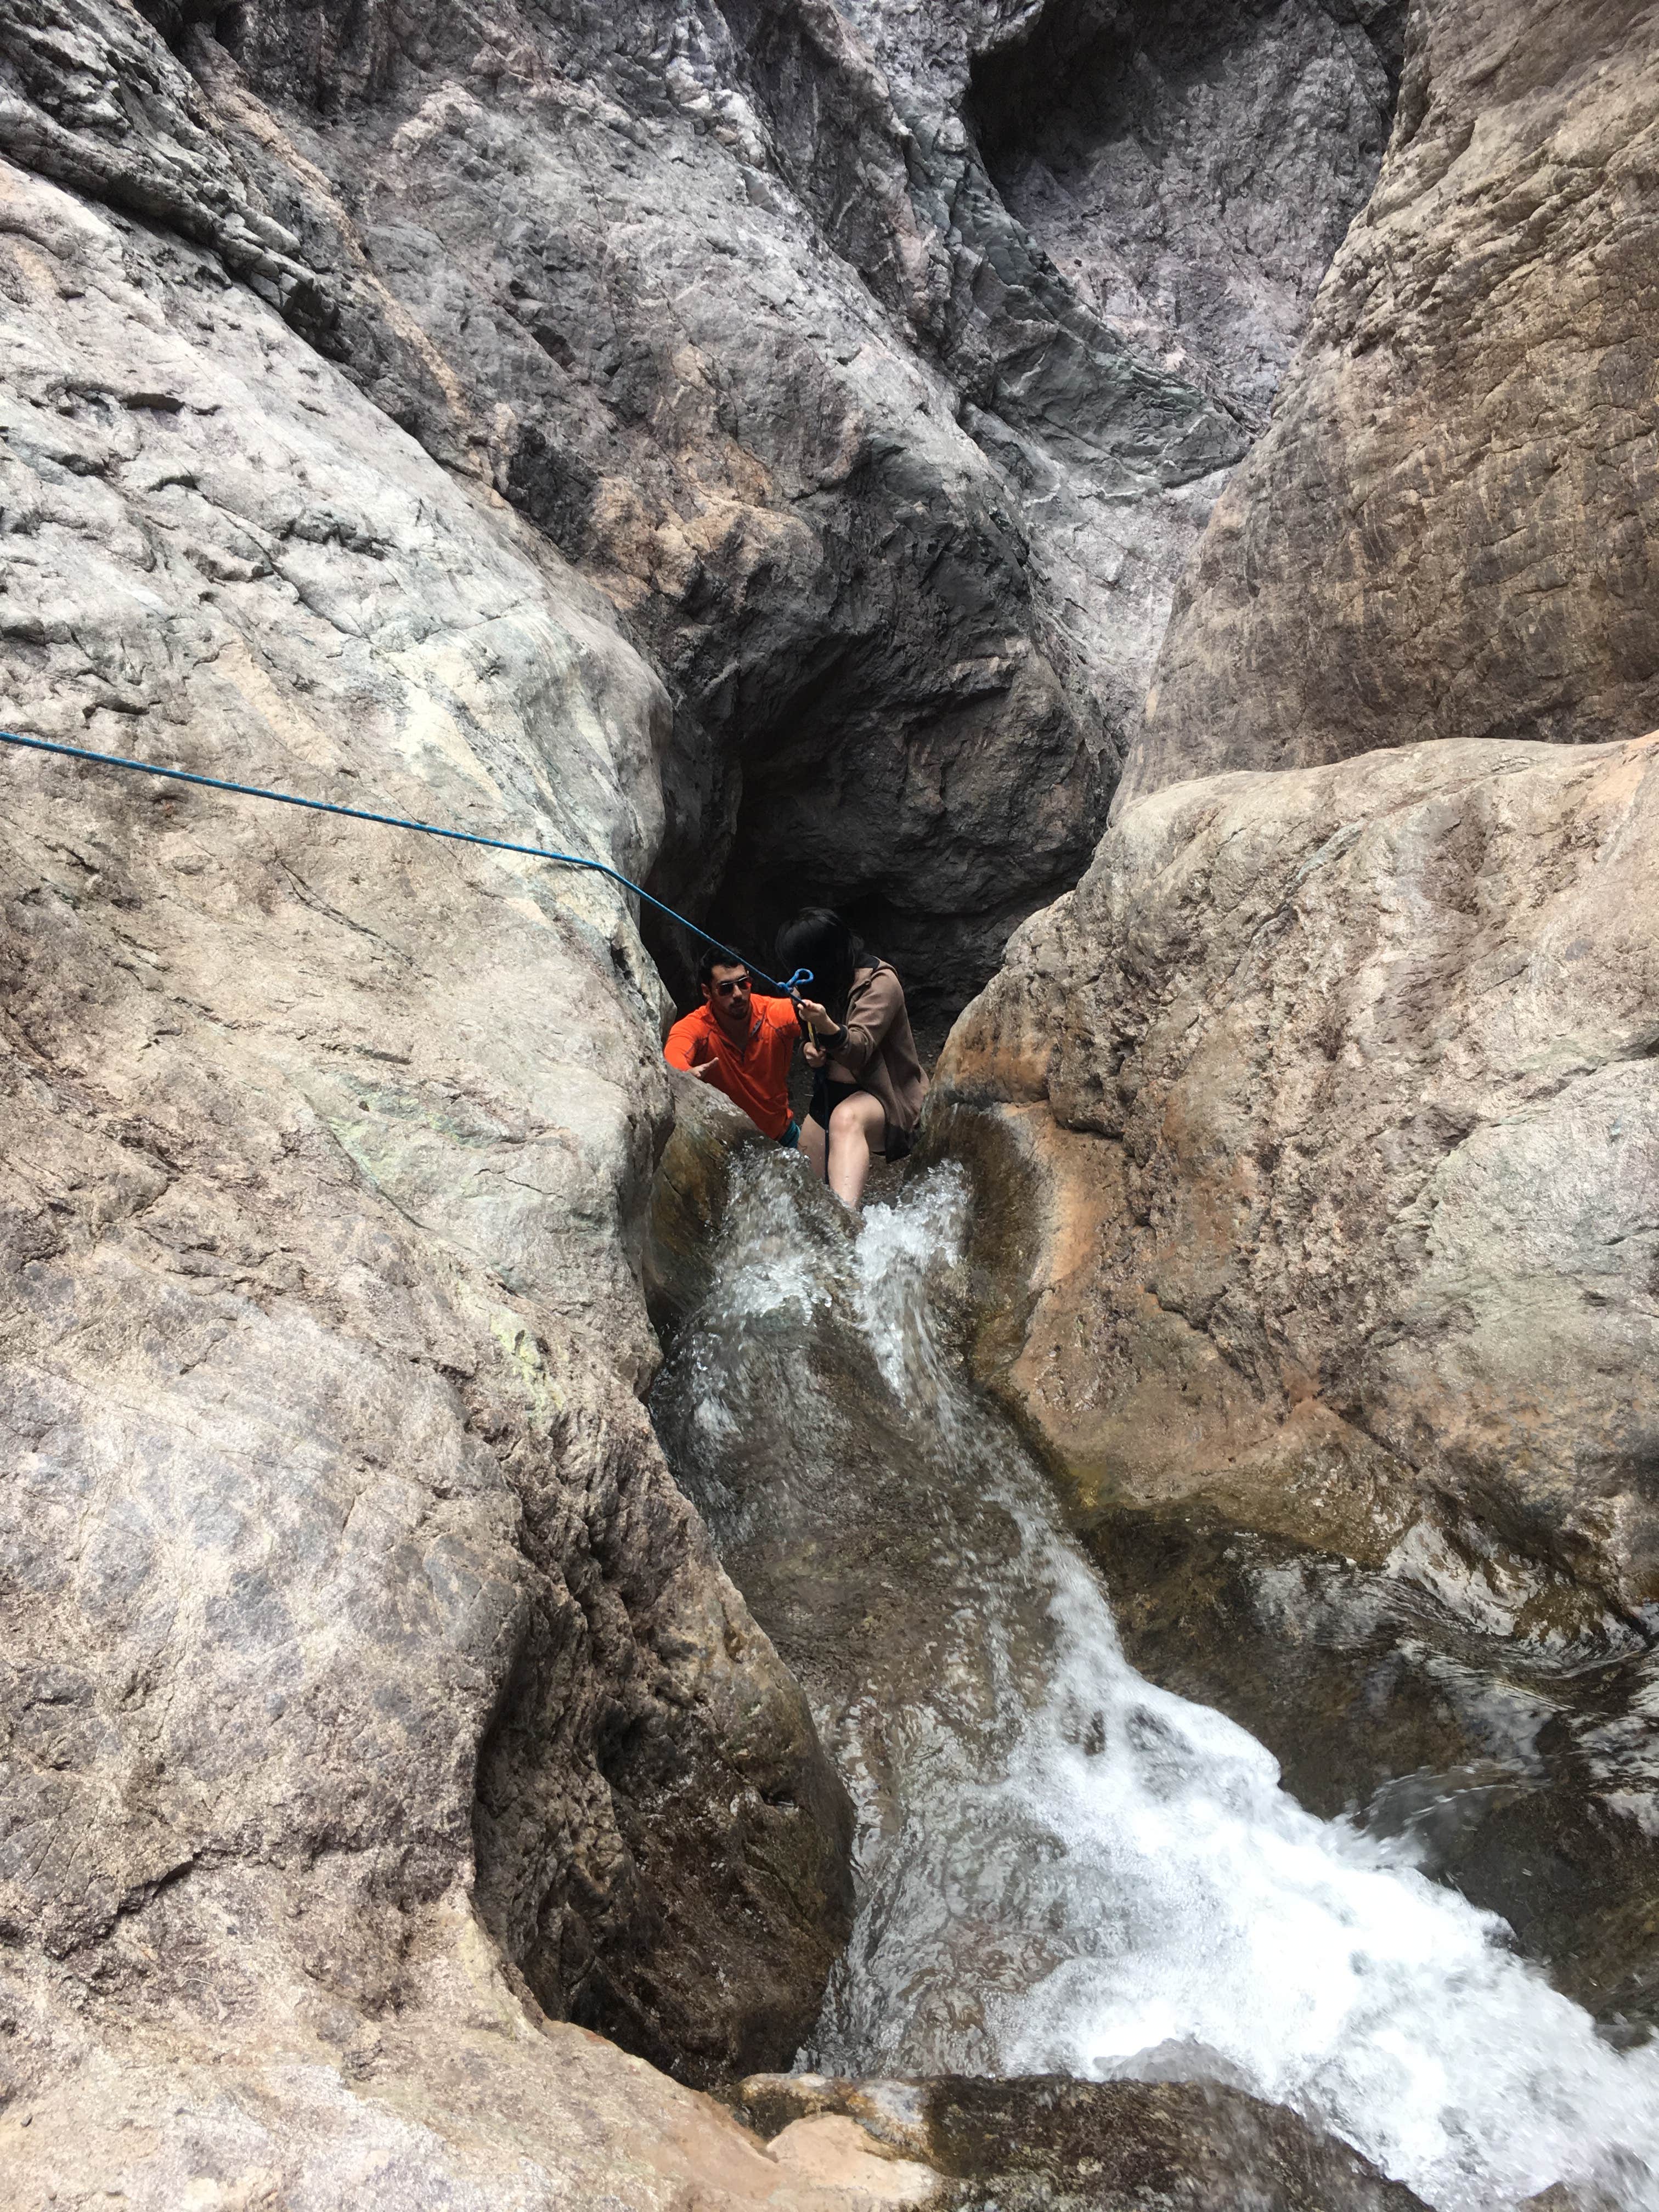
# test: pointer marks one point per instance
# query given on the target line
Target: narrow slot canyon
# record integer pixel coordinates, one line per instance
(549, 1664)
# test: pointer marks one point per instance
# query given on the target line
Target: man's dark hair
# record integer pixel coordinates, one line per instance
(710, 961)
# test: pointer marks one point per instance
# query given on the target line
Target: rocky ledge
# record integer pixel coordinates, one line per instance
(1048, 2144)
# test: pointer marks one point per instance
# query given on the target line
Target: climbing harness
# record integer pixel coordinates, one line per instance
(792, 989)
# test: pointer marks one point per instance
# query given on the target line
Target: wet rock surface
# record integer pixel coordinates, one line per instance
(1448, 531)
(1526, 1782)
(1042, 1838)
(1088, 2146)
(1334, 1292)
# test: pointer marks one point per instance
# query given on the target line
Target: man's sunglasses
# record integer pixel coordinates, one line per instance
(736, 983)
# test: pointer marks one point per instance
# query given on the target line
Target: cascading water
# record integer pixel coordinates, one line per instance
(1062, 1867)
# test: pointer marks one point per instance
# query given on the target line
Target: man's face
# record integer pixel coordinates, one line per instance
(727, 992)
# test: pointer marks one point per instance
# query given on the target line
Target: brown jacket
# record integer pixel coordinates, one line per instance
(879, 1053)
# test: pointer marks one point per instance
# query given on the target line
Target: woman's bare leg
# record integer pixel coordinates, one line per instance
(857, 1127)
(812, 1142)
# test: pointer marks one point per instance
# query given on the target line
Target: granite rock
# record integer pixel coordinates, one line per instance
(1347, 1076)
(1193, 168)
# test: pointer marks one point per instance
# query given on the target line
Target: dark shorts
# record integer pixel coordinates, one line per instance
(791, 1136)
(827, 1096)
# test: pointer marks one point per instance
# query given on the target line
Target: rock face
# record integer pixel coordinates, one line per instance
(651, 435)
(1448, 532)
(743, 325)
(1195, 168)
(350, 1609)
(1046, 2144)
(1337, 1094)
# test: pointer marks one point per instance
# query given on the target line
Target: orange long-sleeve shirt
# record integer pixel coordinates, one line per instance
(756, 1076)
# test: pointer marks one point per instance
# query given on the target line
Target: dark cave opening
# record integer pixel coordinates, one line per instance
(898, 815)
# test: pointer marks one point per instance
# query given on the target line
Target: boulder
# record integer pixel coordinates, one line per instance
(1447, 531)
(1320, 1126)
(1042, 2143)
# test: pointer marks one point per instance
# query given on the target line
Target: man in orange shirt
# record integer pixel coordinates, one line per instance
(740, 1044)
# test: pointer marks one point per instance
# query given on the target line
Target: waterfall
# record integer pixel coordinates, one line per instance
(1062, 1867)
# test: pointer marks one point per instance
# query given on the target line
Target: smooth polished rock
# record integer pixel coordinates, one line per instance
(1347, 1078)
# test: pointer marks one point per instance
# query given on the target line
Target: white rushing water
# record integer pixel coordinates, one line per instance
(1062, 1867)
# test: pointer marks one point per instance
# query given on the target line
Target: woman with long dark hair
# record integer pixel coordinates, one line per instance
(867, 1083)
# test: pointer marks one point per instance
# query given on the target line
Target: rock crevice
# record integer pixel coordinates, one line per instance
(1446, 534)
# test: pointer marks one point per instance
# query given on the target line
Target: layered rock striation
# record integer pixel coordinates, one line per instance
(1447, 531)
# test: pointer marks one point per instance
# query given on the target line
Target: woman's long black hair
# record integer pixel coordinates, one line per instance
(820, 940)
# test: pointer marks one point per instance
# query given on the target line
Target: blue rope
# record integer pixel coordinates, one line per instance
(400, 822)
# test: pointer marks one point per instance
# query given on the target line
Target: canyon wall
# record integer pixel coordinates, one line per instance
(370, 1692)
(1345, 1081)
(1330, 1092)
(634, 431)
(1447, 531)
(755, 446)
(726, 302)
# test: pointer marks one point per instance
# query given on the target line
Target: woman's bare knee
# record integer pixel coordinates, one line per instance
(859, 1119)
(856, 1127)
